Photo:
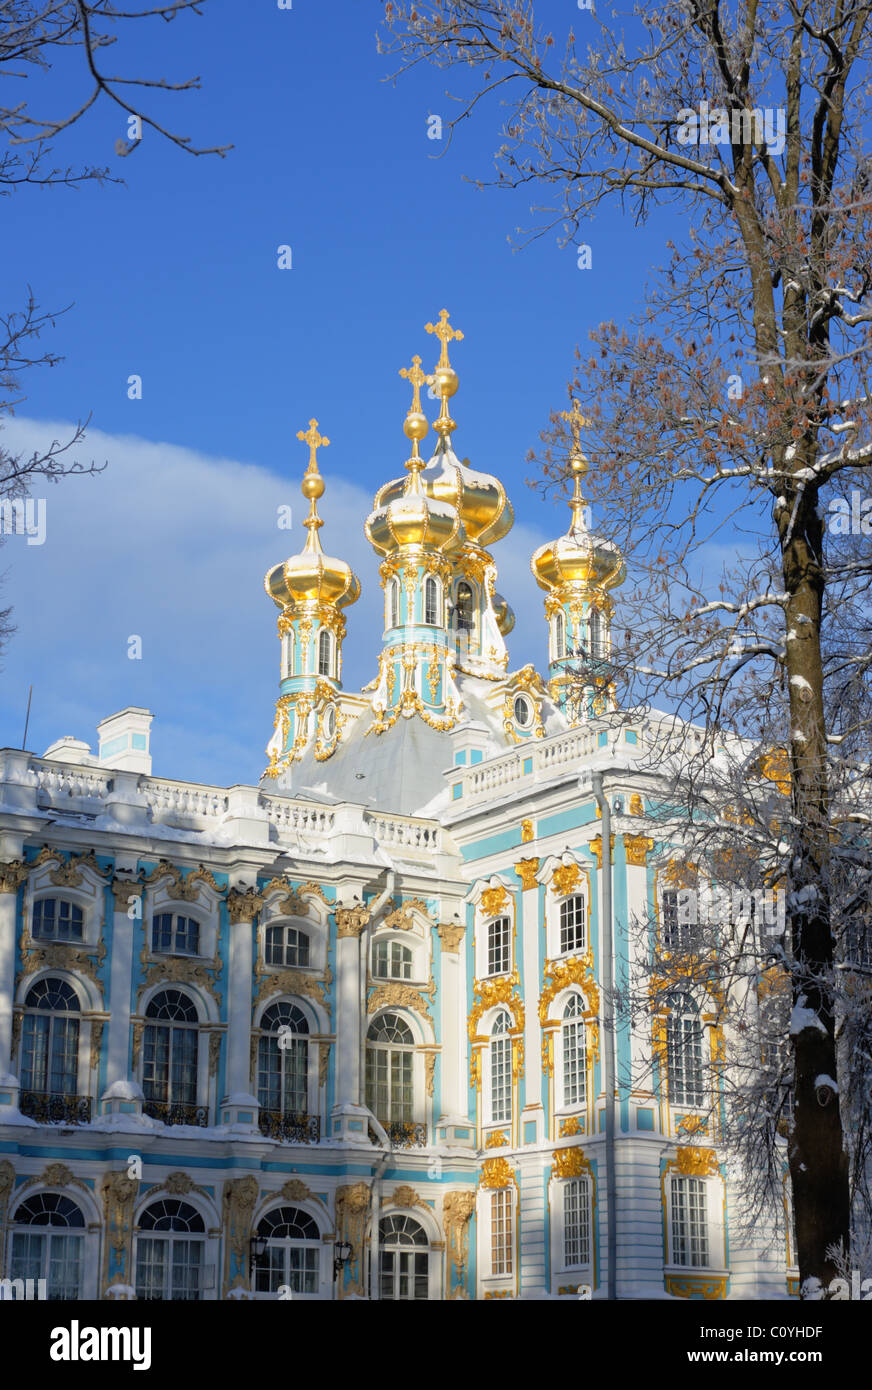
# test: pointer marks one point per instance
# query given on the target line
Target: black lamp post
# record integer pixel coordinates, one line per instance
(341, 1256)
(257, 1250)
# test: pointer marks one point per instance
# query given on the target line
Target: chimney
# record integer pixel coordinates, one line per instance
(125, 740)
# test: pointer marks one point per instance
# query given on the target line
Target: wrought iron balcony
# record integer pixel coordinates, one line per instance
(53, 1107)
(405, 1134)
(291, 1129)
(173, 1114)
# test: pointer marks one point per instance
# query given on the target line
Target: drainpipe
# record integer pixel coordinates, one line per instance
(375, 1215)
(609, 1068)
(364, 940)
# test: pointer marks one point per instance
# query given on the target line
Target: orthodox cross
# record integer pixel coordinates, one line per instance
(445, 333)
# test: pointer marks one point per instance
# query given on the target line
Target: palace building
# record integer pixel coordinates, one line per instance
(348, 1031)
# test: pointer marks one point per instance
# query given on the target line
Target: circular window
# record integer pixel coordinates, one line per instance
(329, 722)
(523, 711)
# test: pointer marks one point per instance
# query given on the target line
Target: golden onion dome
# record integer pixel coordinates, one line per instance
(578, 560)
(504, 615)
(409, 517)
(478, 498)
(312, 576)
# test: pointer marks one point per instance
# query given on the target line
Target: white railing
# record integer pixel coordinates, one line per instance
(296, 817)
(61, 781)
(540, 760)
(404, 832)
(189, 799)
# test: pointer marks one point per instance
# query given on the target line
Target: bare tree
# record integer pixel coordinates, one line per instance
(727, 408)
(34, 35)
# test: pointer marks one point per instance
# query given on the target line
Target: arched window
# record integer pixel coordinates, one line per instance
(287, 655)
(431, 601)
(573, 1040)
(391, 960)
(293, 1252)
(559, 636)
(48, 1241)
(50, 1045)
(393, 604)
(500, 1070)
(573, 934)
(404, 1259)
(286, 946)
(170, 1251)
(389, 1076)
(56, 919)
(597, 634)
(283, 1061)
(173, 935)
(684, 1052)
(499, 946)
(325, 653)
(464, 613)
(170, 1049)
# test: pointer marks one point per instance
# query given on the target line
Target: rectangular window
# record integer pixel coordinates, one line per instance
(684, 1060)
(689, 1228)
(501, 1080)
(175, 935)
(576, 1222)
(501, 1231)
(572, 932)
(574, 1063)
(498, 947)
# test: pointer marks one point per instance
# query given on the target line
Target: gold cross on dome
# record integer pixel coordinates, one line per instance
(576, 421)
(445, 333)
(315, 442)
(417, 379)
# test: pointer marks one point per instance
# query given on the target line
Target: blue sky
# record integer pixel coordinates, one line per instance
(174, 277)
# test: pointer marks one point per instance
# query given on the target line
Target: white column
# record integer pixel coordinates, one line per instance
(349, 1120)
(240, 1106)
(453, 1024)
(128, 898)
(531, 930)
(11, 876)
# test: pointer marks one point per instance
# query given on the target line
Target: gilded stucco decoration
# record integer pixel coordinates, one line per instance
(403, 918)
(12, 874)
(351, 921)
(451, 934)
(527, 831)
(596, 848)
(457, 1208)
(405, 1196)
(61, 955)
(395, 995)
(636, 806)
(561, 974)
(637, 848)
(692, 1162)
(570, 1163)
(96, 1043)
(178, 1184)
(295, 1190)
(237, 1203)
(565, 879)
(527, 869)
(119, 1196)
(571, 1126)
(497, 1172)
(489, 993)
(494, 901)
(243, 906)
(180, 970)
(291, 981)
(182, 887)
(352, 1205)
(68, 873)
(497, 1139)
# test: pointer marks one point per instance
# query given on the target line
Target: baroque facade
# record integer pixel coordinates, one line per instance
(346, 1033)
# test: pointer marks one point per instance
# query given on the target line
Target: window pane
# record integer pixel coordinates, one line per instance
(501, 1231)
(689, 1233)
(576, 1222)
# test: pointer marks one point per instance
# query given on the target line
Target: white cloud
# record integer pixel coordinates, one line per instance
(172, 546)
